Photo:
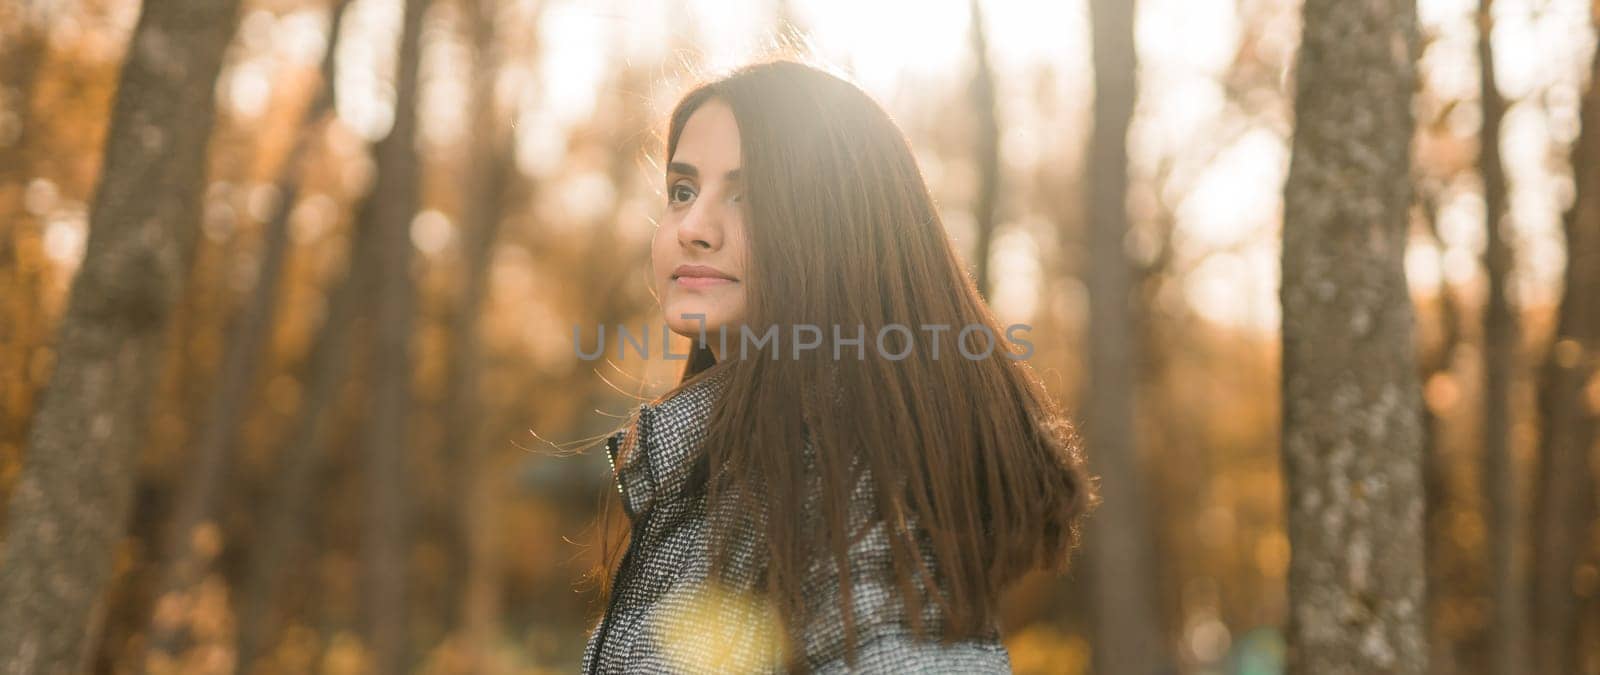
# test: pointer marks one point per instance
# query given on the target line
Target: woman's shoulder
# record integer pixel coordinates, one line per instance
(902, 652)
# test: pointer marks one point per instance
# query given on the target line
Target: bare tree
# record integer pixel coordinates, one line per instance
(1507, 630)
(1437, 362)
(1352, 436)
(184, 564)
(487, 183)
(392, 205)
(327, 366)
(24, 47)
(71, 505)
(1129, 636)
(980, 92)
(1565, 501)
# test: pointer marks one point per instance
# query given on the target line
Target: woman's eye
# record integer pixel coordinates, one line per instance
(679, 193)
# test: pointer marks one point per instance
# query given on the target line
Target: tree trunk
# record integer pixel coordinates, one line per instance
(473, 550)
(1442, 655)
(1507, 628)
(183, 566)
(24, 327)
(394, 201)
(1565, 500)
(327, 367)
(1129, 636)
(71, 505)
(1352, 436)
(981, 91)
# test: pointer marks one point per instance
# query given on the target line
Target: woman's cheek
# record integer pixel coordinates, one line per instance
(658, 263)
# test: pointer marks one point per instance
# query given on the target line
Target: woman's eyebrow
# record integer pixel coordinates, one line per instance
(690, 170)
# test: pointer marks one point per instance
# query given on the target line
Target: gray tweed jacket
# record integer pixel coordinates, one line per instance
(665, 615)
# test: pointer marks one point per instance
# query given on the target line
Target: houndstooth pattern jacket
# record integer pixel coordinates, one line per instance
(667, 616)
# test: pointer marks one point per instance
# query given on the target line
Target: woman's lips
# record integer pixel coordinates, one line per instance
(701, 282)
(700, 276)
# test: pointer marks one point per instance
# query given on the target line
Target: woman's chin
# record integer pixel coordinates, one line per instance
(691, 313)
(686, 320)
(691, 327)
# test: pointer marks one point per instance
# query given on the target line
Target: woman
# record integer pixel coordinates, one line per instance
(798, 504)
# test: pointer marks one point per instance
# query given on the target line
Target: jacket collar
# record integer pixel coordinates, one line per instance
(665, 444)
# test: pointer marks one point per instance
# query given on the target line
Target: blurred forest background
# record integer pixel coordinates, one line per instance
(333, 422)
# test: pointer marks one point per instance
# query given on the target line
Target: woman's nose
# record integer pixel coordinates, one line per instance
(702, 226)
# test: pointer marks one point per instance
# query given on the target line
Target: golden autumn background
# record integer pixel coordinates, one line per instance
(358, 447)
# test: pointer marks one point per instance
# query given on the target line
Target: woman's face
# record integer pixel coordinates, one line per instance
(698, 253)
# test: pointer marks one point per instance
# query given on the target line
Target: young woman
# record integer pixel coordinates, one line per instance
(800, 503)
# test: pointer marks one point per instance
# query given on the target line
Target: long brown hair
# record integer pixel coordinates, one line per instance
(843, 232)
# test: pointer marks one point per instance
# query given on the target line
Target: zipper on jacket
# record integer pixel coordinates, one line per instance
(622, 570)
